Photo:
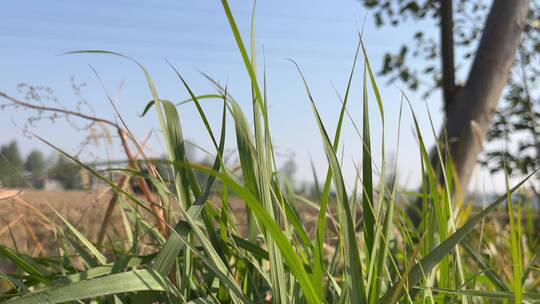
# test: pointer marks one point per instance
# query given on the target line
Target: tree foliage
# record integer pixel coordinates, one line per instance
(517, 120)
(66, 172)
(11, 165)
(35, 163)
(35, 166)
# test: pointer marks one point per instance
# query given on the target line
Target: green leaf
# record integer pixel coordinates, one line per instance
(137, 280)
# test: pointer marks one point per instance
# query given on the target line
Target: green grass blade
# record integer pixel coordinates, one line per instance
(289, 254)
(167, 256)
(243, 52)
(325, 197)
(21, 262)
(367, 177)
(487, 270)
(95, 252)
(501, 296)
(137, 280)
(354, 267)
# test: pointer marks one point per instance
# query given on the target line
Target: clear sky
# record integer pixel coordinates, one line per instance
(194, 35)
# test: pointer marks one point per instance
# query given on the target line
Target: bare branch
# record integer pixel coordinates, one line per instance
(28, 105)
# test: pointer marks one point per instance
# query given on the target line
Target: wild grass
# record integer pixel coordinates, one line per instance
(359, 250)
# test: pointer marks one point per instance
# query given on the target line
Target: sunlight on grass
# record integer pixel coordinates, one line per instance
(353, 250)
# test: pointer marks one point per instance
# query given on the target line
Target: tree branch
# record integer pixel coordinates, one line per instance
(25, 104)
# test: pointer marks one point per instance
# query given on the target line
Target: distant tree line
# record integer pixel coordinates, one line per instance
(36, 169)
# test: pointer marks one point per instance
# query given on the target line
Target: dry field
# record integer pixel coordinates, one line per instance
(28, 219)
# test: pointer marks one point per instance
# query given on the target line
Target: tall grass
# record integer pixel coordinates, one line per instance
(371, 256)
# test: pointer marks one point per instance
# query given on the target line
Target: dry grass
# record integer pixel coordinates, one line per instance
(28, 218)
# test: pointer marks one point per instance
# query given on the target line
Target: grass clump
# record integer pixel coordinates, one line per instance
(358, 250)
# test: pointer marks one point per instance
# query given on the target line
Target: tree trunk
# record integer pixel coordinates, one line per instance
(469, 110)
(469, 116)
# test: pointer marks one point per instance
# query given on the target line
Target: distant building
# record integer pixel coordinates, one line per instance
(89, 181)
(52, 184)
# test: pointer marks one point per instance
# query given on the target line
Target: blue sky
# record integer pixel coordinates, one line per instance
(194, 35)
